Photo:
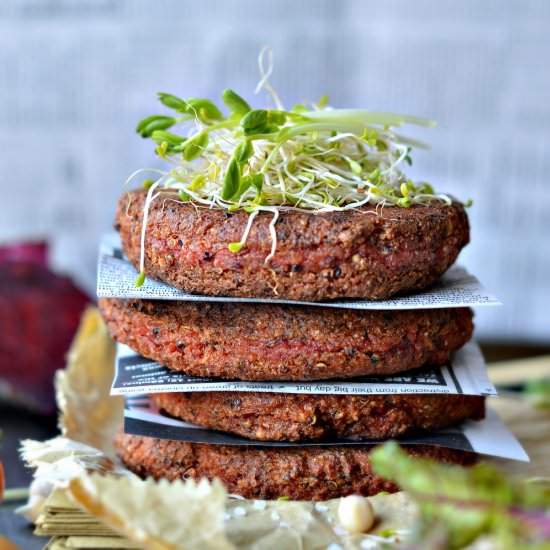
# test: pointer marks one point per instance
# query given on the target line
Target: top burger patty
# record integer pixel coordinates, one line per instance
(363, 253)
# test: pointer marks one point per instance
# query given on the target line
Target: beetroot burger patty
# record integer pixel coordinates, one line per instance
(278, 342)
(304, 473)
(363, 253)
(292, 417)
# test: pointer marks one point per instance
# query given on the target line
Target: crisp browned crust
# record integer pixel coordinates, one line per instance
(277, 342)
(291, 417)
(305, 473)
(361, 253)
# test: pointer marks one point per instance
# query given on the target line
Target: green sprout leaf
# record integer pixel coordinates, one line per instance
(204, 110)
(194, 146)
(231, 180)
(162, 149)
(197, 183)
(276, 118)
(235, 102)
(156, 122)
(254, 122)
(355, 167)
(140, 280)
(252, 180)
(404, 202)
(173, 102)
(323, 102)
(362, 118)
(427, 188)
(243, 151)
(408, 158)
(160, 136)
(299, 108)
(235, 247)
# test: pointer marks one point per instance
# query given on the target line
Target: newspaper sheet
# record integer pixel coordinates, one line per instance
(116, 278)
(466, 373)
(489, 436)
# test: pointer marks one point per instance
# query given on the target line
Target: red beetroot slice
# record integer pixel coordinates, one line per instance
(39, 315)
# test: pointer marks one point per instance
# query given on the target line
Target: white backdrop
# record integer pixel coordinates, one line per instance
(76, 76)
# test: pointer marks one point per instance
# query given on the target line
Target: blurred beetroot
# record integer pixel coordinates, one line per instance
(39, 315)
(32, 253)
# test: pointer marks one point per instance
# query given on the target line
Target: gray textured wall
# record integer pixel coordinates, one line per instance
(76, 75)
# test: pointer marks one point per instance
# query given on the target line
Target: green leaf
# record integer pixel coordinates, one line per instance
(172, 139)
(254, 122)
(156, 122)
(404, 202)
(355, 167)
(427, 188)
(361, 117)
(173, 102)
(147, 184)
(257, 180)
(538, 390)
(231, 180)
(299, 108)
(183, 195)
(235, 102)
(197, 183)
(194, 146)
(374, 176)
(243, 151)
(249, 209)
(252, 180)
(408, 158)
(162, 150)
(466, 502)
(276, 118)
(291, 199)
(235, 247)
(140, 280)
(323, 102)
(204, 109)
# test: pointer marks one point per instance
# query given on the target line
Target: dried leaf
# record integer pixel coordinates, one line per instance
(157, 515)
(88, 413)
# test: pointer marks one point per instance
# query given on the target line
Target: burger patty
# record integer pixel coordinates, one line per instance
(304, 473)
(279, 342)
(364, 253)
(293, 417)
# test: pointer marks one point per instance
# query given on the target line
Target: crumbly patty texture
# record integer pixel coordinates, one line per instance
(278, 342)
(364, 253)
(300, 417)
(305, 473)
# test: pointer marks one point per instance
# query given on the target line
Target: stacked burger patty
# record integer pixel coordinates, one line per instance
(366, 253)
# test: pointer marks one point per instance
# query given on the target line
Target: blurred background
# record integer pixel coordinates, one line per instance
(76, 76)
